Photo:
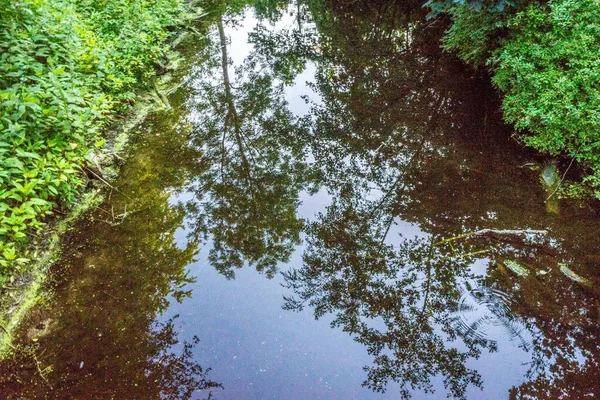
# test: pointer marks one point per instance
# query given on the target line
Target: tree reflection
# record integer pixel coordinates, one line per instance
(402, 132)
(148, 370)
(99, 337)
(392, 299)
(246, 201)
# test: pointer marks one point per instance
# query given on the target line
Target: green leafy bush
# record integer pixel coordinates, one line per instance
(66, 66)
(473, 34)
(549, 71)
(437, 7)
(546, 60)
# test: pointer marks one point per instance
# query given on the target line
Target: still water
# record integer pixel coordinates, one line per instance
(331, 209)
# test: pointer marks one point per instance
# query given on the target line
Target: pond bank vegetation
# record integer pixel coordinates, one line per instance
(68, 68)
(544, 59)
(70, 72)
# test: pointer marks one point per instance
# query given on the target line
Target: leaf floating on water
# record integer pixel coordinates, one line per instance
(541, 273)
(572, 275)
(516, 268)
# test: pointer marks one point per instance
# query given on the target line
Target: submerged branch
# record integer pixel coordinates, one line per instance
(484, 232)
(562, 179)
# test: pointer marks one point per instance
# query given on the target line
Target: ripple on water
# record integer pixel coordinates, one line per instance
(485, 314)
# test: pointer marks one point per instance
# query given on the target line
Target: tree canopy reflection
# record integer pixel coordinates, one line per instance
(100, 336)
(246, 201)
(392, 299)
(401, 132)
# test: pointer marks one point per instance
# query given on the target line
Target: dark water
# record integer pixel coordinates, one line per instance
(332, 209)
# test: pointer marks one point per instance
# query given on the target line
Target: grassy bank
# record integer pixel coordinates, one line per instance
(545, 60)
(67, 67)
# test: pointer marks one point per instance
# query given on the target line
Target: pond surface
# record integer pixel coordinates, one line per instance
(331, 209)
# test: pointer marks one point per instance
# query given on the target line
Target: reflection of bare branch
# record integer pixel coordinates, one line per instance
(428, 285)
(400, 178)
(391, 221)
(232, 113)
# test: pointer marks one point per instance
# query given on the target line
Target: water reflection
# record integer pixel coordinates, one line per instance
(246, 200)
(432, 247)
(486, 313)
(99, 337)
(400, 134)
(392, 299)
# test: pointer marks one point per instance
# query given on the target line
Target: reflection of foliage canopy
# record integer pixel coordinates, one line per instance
(391, 124)
(399, 134)
(350, 271)
(247, 200)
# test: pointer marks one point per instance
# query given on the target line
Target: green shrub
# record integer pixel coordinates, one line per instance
(473, 34)
(437, 7)
(66, 66)
(546, 60)
(549, 71)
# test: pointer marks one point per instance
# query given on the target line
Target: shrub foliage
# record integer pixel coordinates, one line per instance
(549, 71)
(545, 58)
(66, 66)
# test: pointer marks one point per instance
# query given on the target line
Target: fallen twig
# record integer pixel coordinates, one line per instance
(562, 179)
(41, 371)
(100, 178)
